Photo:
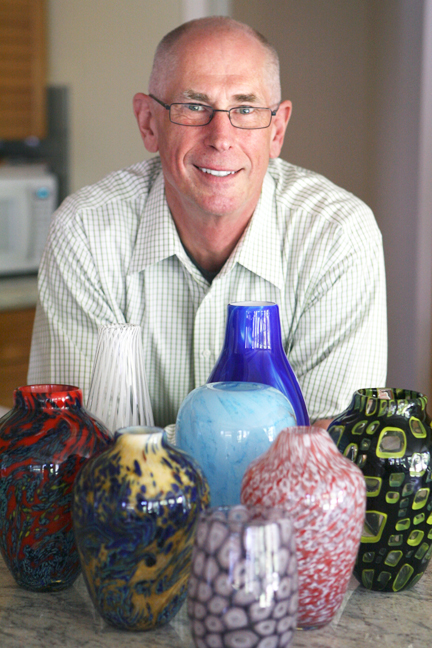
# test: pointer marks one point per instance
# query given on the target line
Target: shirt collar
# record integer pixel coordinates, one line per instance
(259, 249)
(157, 237)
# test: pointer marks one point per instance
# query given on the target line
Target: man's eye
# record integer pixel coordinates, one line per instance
(195, 107)
(244, 110)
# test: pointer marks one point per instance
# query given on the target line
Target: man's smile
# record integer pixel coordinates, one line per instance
(215, 172)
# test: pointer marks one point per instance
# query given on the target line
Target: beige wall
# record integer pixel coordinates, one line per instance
(322, 48)
(103, 50)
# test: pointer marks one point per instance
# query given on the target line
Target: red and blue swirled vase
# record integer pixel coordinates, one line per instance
(44, 441)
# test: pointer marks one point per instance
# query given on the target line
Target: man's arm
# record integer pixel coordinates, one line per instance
(340, 335)
(323, 423)
(71, 306)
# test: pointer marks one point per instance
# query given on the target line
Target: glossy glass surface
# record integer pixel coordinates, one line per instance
(325, 495)
(387, 433)
(224, 426)
(253, 352)
(44, 441)
(243, 589)
(135, 510)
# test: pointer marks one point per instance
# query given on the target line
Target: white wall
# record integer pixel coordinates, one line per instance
(103, 51)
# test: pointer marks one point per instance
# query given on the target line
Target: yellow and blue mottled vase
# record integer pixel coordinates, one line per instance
(387, 433)
(135, 510)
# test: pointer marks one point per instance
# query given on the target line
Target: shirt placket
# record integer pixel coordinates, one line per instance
(209, 332)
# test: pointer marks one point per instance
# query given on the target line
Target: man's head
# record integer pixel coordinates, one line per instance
(166, 52)
(214, 170)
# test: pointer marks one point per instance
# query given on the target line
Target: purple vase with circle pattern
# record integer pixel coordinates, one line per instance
(243, 588)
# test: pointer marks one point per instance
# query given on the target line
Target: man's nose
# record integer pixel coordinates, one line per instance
(220, 132)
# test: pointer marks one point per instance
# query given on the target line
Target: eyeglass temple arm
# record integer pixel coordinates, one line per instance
(166, 106)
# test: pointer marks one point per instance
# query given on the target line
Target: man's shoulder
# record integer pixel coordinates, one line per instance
(310, 202)
(297, 188)
(125, 185)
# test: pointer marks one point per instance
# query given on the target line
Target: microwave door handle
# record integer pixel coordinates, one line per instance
(17, 217)
(25, 216)
(31, 231)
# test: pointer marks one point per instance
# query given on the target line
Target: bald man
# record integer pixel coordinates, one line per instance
(214, 217)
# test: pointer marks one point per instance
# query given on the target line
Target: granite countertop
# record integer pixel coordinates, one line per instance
(18, 292)
(68, 620)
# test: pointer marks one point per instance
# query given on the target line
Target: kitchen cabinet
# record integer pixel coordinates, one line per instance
(15, 338)
(22, 69)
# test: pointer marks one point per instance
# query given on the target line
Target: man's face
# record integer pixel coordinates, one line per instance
(216, 169)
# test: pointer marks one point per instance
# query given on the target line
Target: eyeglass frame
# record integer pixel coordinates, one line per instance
(214, 110)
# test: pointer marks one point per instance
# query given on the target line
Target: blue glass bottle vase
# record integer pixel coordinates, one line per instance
(253, 352)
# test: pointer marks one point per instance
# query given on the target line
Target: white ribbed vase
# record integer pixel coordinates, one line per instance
(118, 393)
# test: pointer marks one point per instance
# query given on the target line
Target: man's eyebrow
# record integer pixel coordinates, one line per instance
(196, 96)
(246, 98)
(203, 97)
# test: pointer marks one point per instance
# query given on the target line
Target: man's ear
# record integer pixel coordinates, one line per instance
(146, 121)
(279, 125)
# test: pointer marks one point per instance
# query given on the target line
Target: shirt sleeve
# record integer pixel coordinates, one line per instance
(71, 306)
(339, 341)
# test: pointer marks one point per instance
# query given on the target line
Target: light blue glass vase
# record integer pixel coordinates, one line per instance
(253, 352)
(226, 425)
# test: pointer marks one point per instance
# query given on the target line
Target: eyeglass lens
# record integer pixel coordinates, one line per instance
(199, 115)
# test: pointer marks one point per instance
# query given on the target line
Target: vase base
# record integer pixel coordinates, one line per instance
(56, 586)
(313, 626)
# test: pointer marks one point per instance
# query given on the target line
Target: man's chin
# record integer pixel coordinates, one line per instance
(218, 208)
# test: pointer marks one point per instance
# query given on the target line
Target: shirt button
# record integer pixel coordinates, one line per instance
(206, 353)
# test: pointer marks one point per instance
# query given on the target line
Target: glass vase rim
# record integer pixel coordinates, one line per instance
(257, 511)
(237, 386)
(409, 394)
(49, 390)
(253, 304)
(304, 429)
(139, 430)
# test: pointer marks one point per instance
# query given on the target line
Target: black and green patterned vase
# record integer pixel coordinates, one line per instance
(387, 433)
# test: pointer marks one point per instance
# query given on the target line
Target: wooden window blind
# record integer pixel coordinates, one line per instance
(22, 69)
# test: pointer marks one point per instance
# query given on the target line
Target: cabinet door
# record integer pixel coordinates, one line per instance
(15, 340)
(22, 69)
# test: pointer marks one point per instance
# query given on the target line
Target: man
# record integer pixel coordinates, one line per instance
(215, 217)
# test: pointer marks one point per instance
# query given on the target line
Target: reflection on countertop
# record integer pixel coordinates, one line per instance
(68, 619)
(18, 292)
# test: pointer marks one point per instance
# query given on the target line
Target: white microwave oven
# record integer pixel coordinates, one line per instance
(28, 198)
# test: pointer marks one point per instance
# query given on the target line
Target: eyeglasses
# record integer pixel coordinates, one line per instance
(196, 114)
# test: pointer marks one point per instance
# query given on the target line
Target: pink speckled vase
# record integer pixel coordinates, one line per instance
(325, 493)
